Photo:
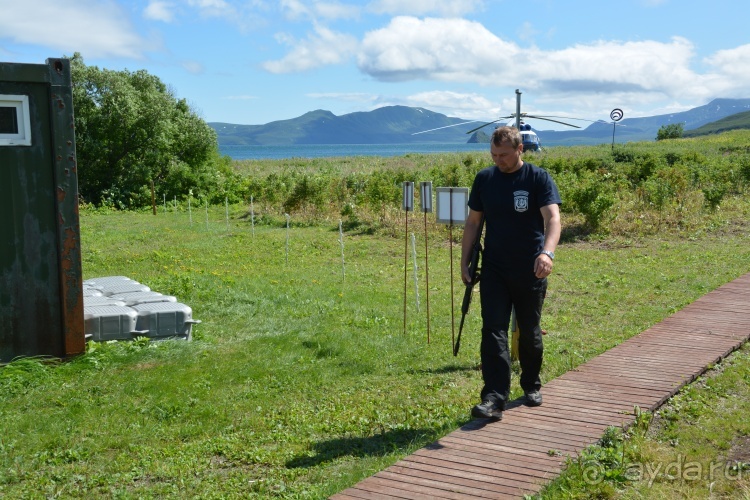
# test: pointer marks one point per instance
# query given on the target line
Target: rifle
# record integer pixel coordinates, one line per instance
(476, 255)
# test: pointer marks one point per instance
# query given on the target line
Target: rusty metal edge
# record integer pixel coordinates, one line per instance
(66, 202)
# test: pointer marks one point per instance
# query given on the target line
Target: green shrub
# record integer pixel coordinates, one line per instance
(671, 131)
(713, 194)
(593, 198)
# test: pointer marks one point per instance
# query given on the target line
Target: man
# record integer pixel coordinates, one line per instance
(520, 206)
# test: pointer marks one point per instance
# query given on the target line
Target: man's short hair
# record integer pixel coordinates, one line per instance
(510, 134)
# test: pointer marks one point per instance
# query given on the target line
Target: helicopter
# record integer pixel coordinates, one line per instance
(531, 141)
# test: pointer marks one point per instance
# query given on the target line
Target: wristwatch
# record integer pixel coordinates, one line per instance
(549, 254)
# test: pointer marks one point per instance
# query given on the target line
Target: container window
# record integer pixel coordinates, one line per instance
(15, 126)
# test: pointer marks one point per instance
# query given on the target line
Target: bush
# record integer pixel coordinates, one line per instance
(671, 131)
(593, 198)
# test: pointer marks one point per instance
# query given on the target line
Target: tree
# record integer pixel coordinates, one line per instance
(671, 131)
(130, 131)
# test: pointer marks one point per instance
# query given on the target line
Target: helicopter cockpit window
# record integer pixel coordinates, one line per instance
(15, 128)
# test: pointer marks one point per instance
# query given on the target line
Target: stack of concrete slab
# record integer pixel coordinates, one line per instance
(119, 308)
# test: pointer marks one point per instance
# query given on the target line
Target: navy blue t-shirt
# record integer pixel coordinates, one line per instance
(511, 205)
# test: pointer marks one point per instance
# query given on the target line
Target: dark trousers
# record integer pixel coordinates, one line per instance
(499, 292)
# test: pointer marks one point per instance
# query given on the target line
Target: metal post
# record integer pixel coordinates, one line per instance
(450, 246)
(518, 109)
(425, 197)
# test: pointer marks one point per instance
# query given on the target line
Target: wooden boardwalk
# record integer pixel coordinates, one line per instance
(527, 449)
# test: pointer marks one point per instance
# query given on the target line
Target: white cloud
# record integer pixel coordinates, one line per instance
(436, 49)
(295, 10)
(336, 10)
(94, 28)
(321, 48)
(299, 10)
(193, 67)
(232, 12)
(462, 51)
(445, 8)
(159, 11)
(647, 65)
(734, 63)
(210, 5)
(527, 32)
(469, 106)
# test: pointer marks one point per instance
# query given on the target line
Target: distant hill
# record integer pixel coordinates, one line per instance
(387, 125)
(732, 122)
(397, 124)
(645, 128)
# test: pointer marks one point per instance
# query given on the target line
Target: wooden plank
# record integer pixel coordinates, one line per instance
(615, 387)
(514, 456)
(633, 382)
(502, 457)
(345, 496)
(398, 488)
(541, 425)
(567, 414)
(523, 437)
(531, 455)
(516, 443)
(495, 476)
(505, 463)
(439, 483)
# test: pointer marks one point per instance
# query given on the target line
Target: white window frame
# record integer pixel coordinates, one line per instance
(21, 103)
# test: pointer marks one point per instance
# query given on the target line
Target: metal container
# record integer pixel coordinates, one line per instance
(116, 289)
(110, 323)
(165, 319)
(41, 303)
(107, 281)
(91, 292)
(133, 298)
(101, 300)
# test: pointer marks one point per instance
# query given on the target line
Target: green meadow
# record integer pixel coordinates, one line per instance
(313, 366)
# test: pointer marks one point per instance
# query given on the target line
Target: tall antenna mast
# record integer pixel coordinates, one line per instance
(518, 109)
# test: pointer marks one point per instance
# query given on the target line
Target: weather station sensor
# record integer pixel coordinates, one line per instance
(407, 203)
(425, 196)
(452, 204)
(15, 126)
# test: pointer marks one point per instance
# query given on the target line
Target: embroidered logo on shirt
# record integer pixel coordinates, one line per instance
(521, 200)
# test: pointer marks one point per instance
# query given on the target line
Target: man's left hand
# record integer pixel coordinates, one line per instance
(542, 266)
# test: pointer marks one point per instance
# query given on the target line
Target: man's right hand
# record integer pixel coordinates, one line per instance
(465, 275)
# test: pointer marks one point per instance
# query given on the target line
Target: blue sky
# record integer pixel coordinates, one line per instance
(257, 61)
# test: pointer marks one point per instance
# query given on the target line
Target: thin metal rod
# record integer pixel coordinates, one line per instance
(426, 278)
(406, 261)
(453, 318)
(450, 246)
(416, 269)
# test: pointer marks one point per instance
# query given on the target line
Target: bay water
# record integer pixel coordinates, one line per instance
(341, 150)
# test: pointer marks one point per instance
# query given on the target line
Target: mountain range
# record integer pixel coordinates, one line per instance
(398, 124)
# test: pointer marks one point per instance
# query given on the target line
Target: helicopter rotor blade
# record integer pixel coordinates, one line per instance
(447, 126)
(488, 123)
(551, 120)
(567, 118)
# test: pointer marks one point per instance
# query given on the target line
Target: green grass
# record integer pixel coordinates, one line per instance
(299, 384)
(696, 446)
